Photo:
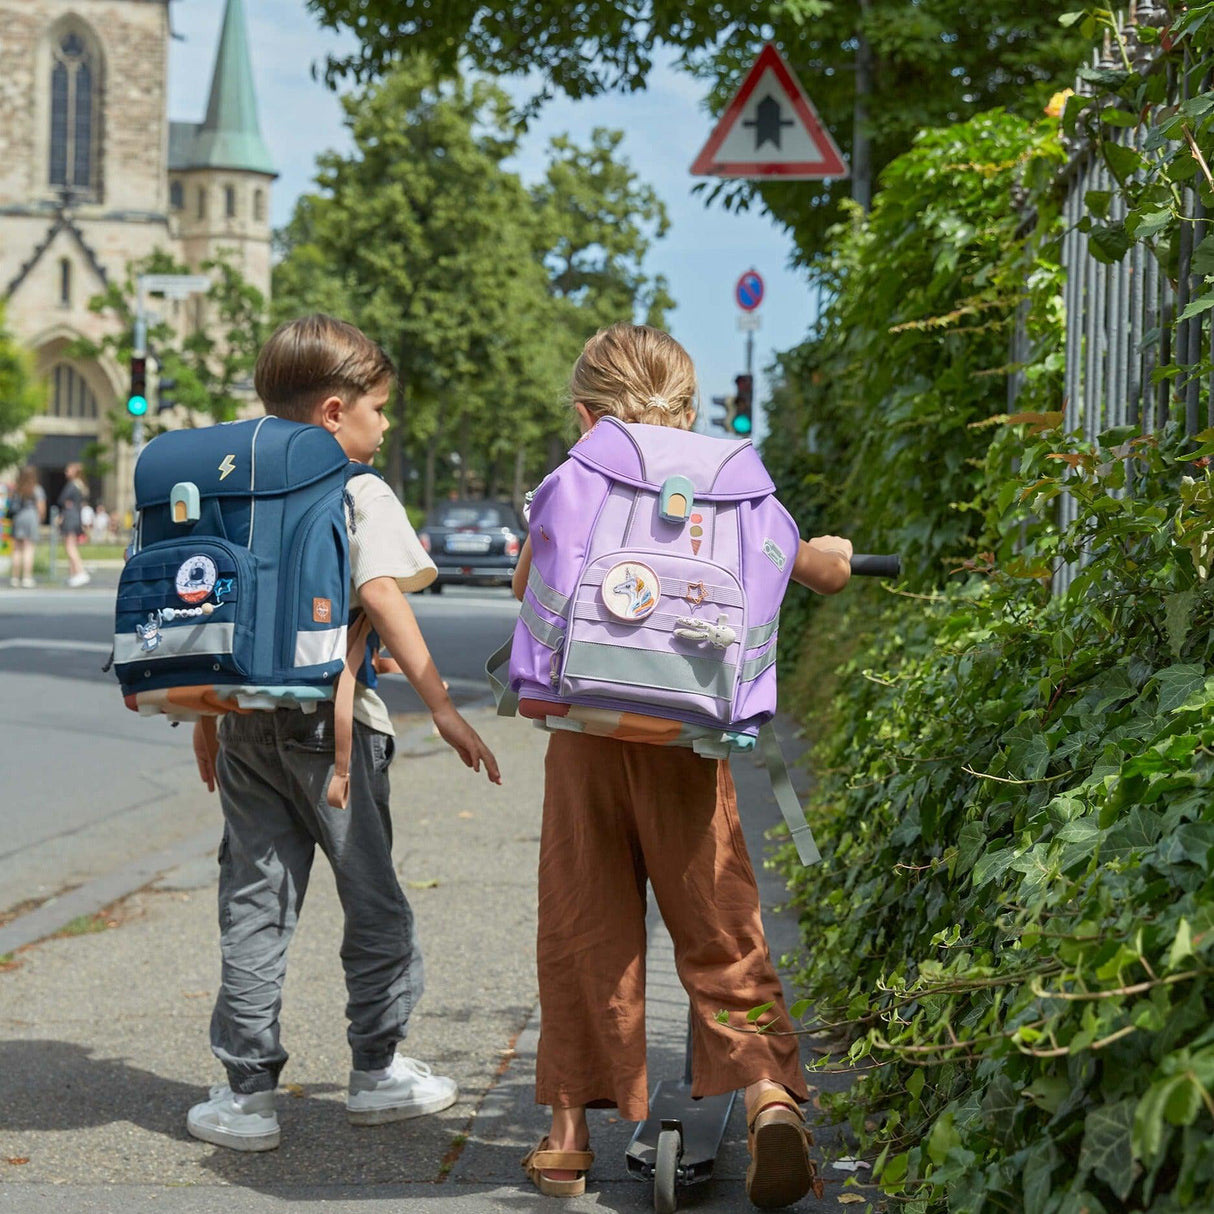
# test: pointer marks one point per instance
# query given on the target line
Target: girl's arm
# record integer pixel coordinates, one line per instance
(522, 571)
(393, 618)
(823, 564)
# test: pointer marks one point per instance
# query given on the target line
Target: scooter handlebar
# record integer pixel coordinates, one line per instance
(867, 564)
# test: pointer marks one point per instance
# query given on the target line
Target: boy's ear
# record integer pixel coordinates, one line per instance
(329, 413)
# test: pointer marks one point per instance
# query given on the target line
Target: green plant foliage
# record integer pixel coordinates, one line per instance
(911, 353)
(22, 395)
(1014, 924)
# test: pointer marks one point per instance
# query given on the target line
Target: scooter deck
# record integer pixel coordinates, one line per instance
(703, 1125)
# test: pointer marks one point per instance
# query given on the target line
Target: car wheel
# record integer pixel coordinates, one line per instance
(436, 587)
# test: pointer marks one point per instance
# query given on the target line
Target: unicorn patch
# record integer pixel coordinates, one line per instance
(631, 591)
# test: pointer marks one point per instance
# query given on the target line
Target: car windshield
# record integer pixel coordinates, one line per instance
(471, 514)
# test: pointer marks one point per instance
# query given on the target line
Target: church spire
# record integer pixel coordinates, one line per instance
(230, 135)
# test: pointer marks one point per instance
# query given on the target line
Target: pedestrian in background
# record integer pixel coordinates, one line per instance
(101, 525)
(27, 510)
(71, 524)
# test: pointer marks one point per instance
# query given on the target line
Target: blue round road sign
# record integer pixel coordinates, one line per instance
(749, 291)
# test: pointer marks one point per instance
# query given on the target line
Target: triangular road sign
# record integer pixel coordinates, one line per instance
(770, 129)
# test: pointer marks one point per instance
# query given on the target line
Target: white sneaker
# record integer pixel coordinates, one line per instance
(244, 1123)
(28, 583)
(15, 583)
(79, 579)
(408, 1089)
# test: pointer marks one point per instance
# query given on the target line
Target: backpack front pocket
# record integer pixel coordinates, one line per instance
(185, 606)
(658, 631)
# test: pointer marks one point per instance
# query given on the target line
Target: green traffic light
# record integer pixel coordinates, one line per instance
(741, 425)
(137, 406)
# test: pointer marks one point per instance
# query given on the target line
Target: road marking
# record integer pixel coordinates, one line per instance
(55, 643)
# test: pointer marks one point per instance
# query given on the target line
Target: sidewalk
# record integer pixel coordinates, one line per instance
(105, 1034)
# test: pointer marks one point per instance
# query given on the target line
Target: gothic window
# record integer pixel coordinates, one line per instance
(65, 283)
(229, 201)
(259, 205)
(74, 115)
(176, 195)
(70, 395)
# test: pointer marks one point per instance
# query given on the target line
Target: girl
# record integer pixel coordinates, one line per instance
(71, 504)
(27, 509)
(618, 814)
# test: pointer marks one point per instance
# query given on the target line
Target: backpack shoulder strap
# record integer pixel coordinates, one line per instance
(503, 697)
(786, 796)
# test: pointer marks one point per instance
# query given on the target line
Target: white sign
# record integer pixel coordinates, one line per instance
(175, 286)
(748, 322)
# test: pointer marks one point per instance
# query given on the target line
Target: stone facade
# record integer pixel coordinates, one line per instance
(86, 188)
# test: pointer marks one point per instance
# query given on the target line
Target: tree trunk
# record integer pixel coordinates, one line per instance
(463, 473)
(520, 467)
(431, 456)
(861, 147)
(491, 479)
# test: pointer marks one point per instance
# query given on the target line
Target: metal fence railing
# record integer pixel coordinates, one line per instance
(1121, 316)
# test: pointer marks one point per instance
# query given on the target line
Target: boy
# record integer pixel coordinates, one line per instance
(273, 769)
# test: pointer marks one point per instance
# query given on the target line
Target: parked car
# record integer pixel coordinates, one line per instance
(472, 543)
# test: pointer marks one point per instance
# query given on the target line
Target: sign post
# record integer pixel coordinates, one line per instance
(748, 295)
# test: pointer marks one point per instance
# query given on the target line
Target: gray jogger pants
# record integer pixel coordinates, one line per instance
(273, 772)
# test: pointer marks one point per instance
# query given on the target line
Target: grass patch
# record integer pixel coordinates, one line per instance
(85, 925)
(452, 1156)
(8, 961)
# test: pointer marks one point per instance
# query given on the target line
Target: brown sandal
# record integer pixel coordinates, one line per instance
(781, 1171)
(540, 1160)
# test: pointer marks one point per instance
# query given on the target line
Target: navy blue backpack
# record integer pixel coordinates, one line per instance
(236, 595)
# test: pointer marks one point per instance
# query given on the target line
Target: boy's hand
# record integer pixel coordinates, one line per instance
(823, 563)
(462, 738)
(206, 748)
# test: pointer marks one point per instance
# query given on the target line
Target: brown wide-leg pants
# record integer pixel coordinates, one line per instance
(616, 813)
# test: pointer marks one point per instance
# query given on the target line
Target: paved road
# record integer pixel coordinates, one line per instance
(88, 786)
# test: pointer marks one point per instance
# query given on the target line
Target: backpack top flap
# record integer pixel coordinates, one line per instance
(261, 456)
(722, 470)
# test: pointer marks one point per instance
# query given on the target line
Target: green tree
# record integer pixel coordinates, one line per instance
(482, 290)
(933, 61)
(21, 394)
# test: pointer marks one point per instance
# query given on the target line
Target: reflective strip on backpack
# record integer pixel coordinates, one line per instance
(677, 588)
(176, 643)
(558, 604)
(756, 666)
(649, 668)
(323, 645)
(762, 633)
(548, 635)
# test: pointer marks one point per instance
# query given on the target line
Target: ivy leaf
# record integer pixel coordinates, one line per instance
(1039, 1166)
(1108, 242)
(756, 1012)
(1177, 684)
(1203, 303)
(970, 842)
(999, 1107)
(1182, 945)
(1107, 1148)
(1203, 257)
(1178, 616)
(1124, 162)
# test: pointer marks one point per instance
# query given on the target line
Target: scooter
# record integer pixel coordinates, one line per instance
(678, 1144)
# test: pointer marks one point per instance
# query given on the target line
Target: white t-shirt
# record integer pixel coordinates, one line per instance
(382, 544)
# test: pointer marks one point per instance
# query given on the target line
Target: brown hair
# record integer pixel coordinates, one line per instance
(27, 481)
(306, 360)
(638, 374)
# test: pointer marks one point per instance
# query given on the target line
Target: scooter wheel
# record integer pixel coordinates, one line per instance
(665, 1171)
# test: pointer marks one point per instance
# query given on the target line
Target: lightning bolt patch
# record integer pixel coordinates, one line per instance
(227, 466)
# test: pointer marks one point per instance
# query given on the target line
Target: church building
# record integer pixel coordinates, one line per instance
(93, 176)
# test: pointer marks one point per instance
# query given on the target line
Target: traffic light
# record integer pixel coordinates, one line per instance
(164, 395)
(723, 413)
(741, 421)
(137, 400)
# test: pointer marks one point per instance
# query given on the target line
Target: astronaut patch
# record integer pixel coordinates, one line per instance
(196, 578)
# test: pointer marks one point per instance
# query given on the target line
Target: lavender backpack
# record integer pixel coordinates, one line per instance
(659, 562)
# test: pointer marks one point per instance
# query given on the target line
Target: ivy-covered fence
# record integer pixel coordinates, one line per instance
(1137, 331)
